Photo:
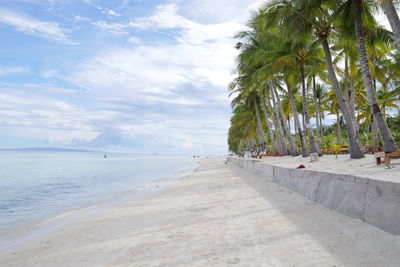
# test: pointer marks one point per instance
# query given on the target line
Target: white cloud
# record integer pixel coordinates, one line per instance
(104, 10)
(382, 20)
(61, 123)
(110, 12)
(167, 94)
(191, 72)
(32, 26)
(134, 40)
(49, 73)
(201, 56)
(80, 18)
(59, 120)
(12, 70)
(114, 28)
(212, 11)
(165, 16)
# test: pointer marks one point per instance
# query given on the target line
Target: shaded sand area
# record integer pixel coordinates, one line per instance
(218, 216)
(365, 167)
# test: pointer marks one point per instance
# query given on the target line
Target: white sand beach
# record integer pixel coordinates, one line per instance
(218, 216)
(365, 167)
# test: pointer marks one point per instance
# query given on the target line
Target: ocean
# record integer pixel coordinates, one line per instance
(36, 185)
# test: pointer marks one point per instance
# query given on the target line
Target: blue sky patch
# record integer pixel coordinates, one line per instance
(122, 75)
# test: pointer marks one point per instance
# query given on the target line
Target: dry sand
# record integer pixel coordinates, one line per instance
(218, 216)
(365, 167)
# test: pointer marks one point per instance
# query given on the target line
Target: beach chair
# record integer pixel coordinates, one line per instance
(344, 150)
(269, 155)
(372, 149)
(326, 150)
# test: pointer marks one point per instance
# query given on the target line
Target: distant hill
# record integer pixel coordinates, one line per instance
(48, 149)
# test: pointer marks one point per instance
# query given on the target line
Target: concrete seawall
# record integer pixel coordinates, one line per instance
(373, 201)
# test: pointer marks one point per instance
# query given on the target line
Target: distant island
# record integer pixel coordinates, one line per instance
(49, 149)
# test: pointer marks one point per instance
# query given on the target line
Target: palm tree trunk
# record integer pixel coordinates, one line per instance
(274, 92)
(374, 132)
(279, 125)
(353, 137)
(393, 18)
(321, 125)
(260, 131)
(269, 126)
(352, 105)
(248, 146)
(387, 139)
(313, 145)
(338, 129)
(279, 134)
(350, 95)
(346, 83)
(253, 146)
(304, 148)
(316, 113)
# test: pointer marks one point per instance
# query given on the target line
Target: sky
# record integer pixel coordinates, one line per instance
(141, 76)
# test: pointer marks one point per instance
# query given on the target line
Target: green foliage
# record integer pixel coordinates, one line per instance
(394, 125)
(283, 42)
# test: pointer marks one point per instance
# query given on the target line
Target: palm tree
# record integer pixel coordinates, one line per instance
(334, 107)
(268, 114)
(393, 18)
(282, 52)
(253, 58)
(386, 136)
(316, 107)
(305, 152)
(298, 19)
(242, 129)
(275, 96)
(305, 51)
(278, 125)
(245, 94)
(282, 62)
(321, 94)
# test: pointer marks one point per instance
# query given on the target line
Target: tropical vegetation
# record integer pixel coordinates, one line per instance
(304, 63)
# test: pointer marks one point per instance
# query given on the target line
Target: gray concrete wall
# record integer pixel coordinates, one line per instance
(373, 201)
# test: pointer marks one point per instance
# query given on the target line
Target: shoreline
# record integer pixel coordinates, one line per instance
(219, 215)
(16, 235)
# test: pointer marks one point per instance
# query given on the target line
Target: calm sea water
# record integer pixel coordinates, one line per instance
(39, 184)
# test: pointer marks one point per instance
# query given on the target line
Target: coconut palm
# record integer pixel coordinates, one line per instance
(277, 102)
(246, 94)
(242, 129)
(280, 60)
(299, 20)
(282, 52)
(393, 18)
(386, 136)
(321, 94)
